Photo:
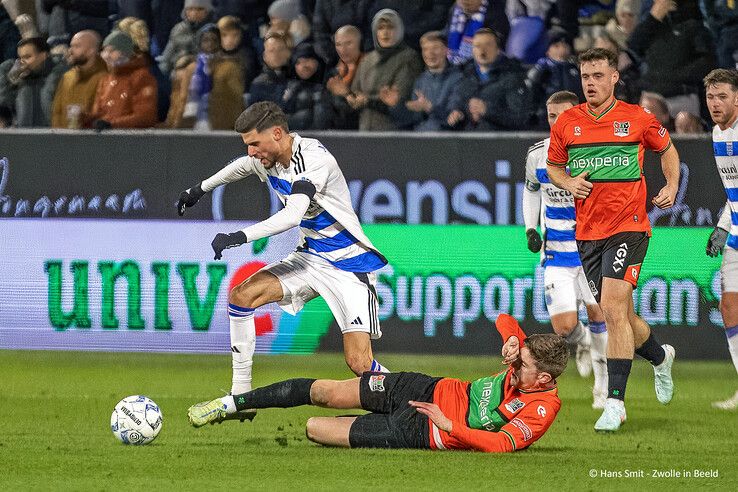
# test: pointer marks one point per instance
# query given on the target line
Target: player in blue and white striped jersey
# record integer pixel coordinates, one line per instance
(722, 100)
(565, 283)
(335, 259)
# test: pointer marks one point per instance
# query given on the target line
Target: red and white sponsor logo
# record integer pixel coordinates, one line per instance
(376, 383)
(632, 273)
(527, 433)
(662, 132)
(541, 410)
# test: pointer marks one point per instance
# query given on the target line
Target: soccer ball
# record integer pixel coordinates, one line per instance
(136, 420)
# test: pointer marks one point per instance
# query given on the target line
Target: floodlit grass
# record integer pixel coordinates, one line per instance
(55, 434)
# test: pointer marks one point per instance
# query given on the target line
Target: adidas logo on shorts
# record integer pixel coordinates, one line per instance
(357, 321)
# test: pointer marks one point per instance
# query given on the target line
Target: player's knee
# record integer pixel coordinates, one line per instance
(729, 307)
(614, 313)
(320, 394)
(312, 429)
(244, 295)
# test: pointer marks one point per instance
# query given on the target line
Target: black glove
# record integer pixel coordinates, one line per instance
(534, 240)
(224, 241)
(100, 125)
(189, 198)
(716, 243)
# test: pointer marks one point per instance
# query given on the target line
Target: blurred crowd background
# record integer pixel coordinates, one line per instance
(369, 65)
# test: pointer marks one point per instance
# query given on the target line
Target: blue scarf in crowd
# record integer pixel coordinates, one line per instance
(461, 31)
(200, 86)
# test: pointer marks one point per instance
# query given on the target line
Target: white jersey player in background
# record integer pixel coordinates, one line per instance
(722, 100)
(335, 259)
(563, 276)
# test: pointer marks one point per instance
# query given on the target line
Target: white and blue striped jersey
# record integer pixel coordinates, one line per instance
(555, 211)
(725, 148)
(329, 229)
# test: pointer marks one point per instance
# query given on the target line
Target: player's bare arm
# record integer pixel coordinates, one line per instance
(670, 167)
(578, 186)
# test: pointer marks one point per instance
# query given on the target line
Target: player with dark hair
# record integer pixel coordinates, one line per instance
(602, 142)
(335, 259)
(505, 412)
(565, 283)
(721, 86)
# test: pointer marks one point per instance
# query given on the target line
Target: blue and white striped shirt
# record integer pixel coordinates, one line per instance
(725, 148)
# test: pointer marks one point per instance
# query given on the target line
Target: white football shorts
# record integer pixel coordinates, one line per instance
(566, 287)
(729, 270)
(351, 297)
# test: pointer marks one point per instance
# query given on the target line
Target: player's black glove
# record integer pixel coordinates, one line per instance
(534, 240)
(716, 243)
(189, 197)
(224, 241)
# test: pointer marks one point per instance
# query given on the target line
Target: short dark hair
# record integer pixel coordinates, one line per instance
(722, 76)
(595, 54)
(563, 97)
(489, 32)
(260, 116)
(434, 36)
(39, 44)
(550, 352)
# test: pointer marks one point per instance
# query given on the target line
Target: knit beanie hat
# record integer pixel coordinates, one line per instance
(288, 10)
(121, 42)
(205, 4)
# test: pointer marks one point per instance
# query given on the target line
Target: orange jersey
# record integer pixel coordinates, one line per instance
(490, 414)
(609, 146)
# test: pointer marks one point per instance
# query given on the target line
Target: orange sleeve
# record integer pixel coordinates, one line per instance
(482, 440)
(655, 136)
(530, 424)
(557, 153)
(509, 327)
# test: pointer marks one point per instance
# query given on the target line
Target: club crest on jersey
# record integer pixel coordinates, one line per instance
(577, 131)
(622, 129)
(376, 383)
(514, 405)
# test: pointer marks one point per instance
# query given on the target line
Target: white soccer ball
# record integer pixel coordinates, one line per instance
(136, 420)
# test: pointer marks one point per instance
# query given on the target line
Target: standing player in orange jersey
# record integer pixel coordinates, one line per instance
(505, 412)
(602, 142)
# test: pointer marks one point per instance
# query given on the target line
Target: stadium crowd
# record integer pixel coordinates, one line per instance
(423, 65)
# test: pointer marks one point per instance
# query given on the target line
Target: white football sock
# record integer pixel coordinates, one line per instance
(598, 350)
(732, 334)
(377, 367)
(243, 344)
(577, 335)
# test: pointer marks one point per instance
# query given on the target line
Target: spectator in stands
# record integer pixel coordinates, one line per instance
(392, 66)
(418, 16)
(527, 39)
(553, 73)
(622, 25)
(126, 96)
(285, 17)
(207, 94)
(428, 107)
(28, 84)
(67, 17)
(656, 104)
(722, 18)
(688, 124)
(58, 48)
(75, 94)
(340, 77)
(677, 49)
(196, 13)
(271, 83)
(139, 32)
(305, 100)
(160, 17)
(627, 88)
(465, 18)
(329, 16)
(234, 47)
(492, 95)
(9, 36)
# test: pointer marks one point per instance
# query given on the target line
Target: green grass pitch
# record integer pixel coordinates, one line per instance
(55, 434)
